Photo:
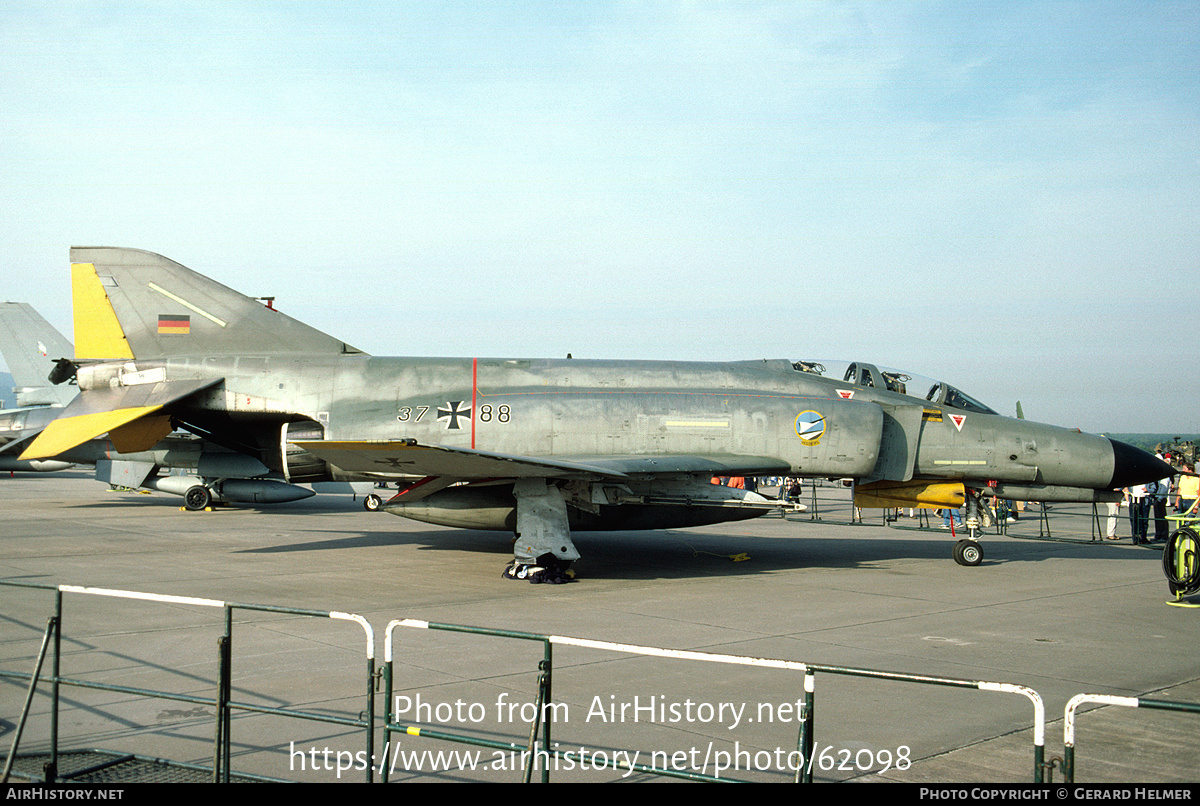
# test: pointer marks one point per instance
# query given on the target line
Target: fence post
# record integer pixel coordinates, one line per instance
(805, 739)
(33, 681)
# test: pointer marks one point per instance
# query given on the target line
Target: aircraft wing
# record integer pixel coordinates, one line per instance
(113, 411)
(408, 458)
(711, 464)
(404, 457)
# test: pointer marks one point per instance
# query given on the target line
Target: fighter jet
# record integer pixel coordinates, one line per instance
(540, 447)
(28, 343)
(181, 464)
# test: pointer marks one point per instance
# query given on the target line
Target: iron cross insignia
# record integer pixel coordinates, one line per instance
(451, 412)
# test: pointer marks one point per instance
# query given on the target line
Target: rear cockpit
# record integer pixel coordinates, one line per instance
(871, 377)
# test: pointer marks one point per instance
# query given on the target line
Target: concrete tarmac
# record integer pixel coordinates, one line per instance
(1061, 616)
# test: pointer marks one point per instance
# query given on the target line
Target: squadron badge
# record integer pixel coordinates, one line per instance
(810, 427)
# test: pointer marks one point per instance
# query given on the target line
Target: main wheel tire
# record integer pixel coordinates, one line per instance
(372, 502)
(968, 552)
(197, 498)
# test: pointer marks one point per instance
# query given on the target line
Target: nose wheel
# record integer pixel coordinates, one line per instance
(968, 552)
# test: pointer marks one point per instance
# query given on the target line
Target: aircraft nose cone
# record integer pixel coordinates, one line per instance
(1135, 466)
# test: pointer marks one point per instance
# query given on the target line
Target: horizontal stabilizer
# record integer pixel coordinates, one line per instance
(68, 432)
(21, 426)
(97, 412)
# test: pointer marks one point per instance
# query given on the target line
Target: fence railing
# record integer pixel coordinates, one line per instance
(537, 748)
(223, 703)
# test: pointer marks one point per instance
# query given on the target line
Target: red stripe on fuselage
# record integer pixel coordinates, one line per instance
(474, 394)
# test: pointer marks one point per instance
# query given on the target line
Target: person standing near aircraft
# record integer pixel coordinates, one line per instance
(1161, 490)
(794, 490)
(1189, 489)
(1136, 496)
(1114, 509)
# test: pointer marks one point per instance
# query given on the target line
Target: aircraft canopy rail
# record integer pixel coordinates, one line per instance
(894, 380)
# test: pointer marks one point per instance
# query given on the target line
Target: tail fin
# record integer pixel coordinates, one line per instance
(30, 346)
(135, 304)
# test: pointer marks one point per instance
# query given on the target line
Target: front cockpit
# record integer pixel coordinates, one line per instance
(946, 395)
(872, 377)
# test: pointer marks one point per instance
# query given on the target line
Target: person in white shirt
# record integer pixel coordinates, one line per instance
(1136, 497)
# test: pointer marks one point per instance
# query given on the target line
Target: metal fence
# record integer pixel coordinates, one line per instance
(223, 703)
(537, 746)
(803, 761)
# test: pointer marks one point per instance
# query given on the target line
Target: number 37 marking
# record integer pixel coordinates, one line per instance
(406, 413)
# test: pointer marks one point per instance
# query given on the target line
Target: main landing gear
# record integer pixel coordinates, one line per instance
(543, 550)
(197, 498)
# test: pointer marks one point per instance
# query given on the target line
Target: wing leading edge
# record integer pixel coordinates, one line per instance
(406, 458)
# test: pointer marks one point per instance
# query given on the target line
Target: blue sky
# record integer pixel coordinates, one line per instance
(1003, 195)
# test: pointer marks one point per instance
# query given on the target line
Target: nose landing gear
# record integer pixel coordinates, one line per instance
(968, 551)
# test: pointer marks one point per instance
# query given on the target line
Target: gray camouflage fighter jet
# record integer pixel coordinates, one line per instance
(27, 342)
(536, 446)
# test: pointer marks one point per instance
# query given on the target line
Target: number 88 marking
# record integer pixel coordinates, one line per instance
(486, 414)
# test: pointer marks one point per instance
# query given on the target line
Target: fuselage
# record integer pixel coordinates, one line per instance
(797, 422)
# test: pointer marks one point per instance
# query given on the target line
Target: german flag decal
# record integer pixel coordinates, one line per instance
(174, 323)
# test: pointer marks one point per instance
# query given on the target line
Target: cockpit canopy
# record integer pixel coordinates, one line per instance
(947, 395)
(871, 376)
